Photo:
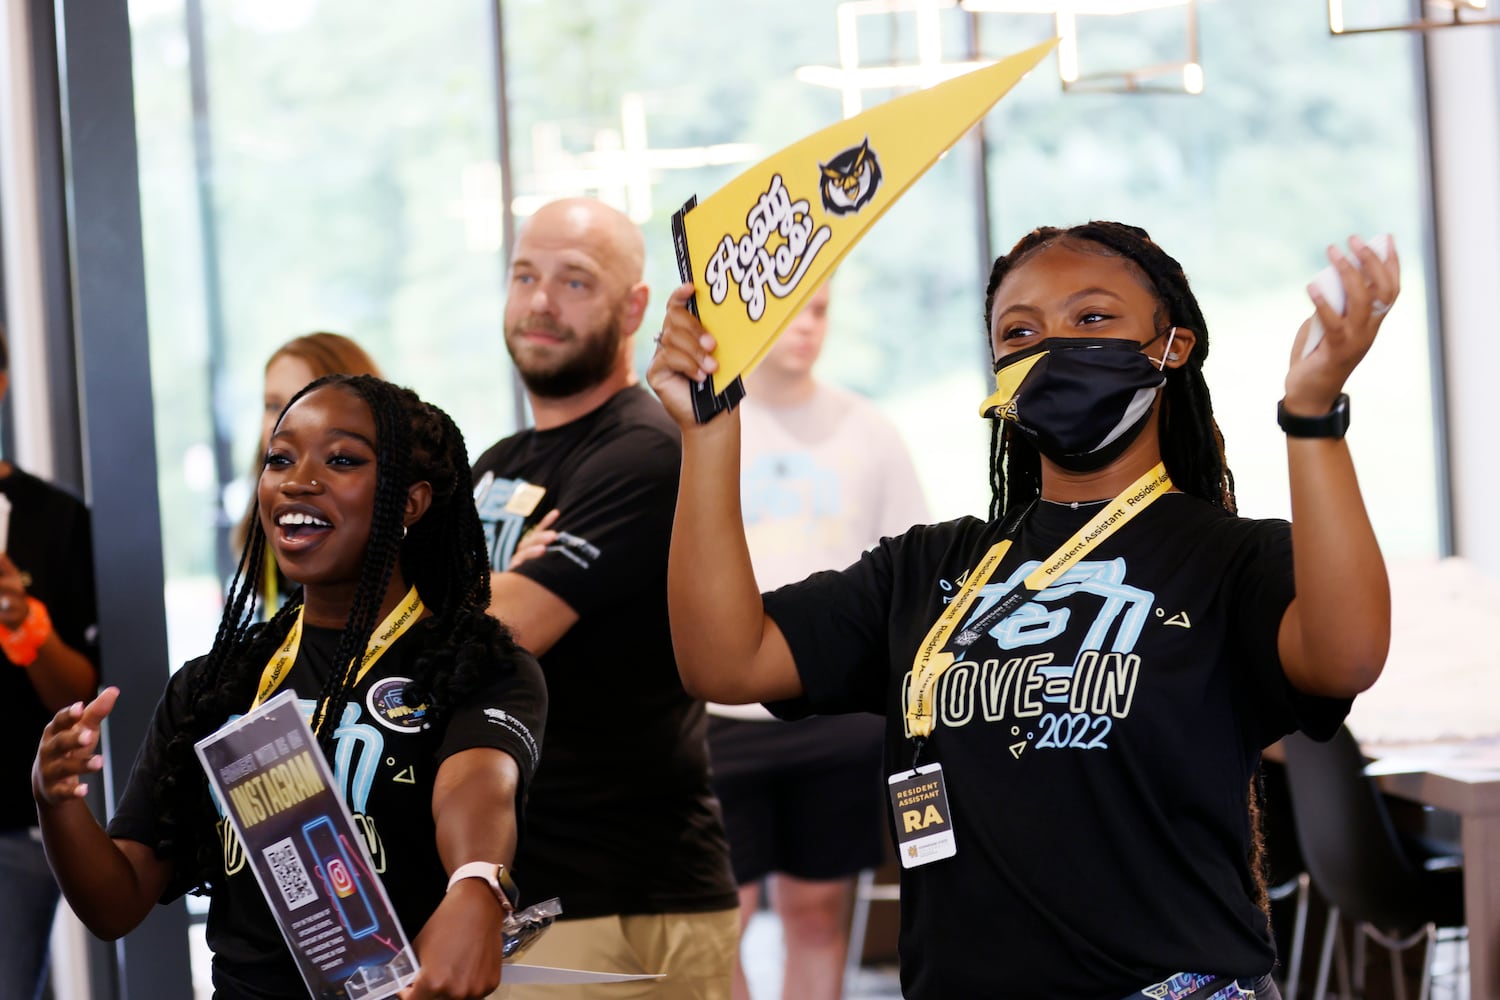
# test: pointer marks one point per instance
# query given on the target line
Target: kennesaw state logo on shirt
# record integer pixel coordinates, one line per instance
(503, 719)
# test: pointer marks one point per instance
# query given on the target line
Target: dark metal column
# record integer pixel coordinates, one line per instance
(978, 155)
(62, 361)
(213, 296)
(1437, 338)
(109, 311)
(507, 191)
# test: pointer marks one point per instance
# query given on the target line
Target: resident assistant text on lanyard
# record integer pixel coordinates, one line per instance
(945, 642)
(401, 618)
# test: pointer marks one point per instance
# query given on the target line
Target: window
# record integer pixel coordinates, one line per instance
(343, 157)
(342, 175)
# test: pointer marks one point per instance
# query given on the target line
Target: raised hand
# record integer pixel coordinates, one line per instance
(68, 752)
(682, 356)
(1370, 289)
(536, 540)
(13, 606)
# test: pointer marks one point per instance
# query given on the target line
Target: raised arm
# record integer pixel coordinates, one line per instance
(110, 883)
(728, 650)
(474, 809)
(1335, 635)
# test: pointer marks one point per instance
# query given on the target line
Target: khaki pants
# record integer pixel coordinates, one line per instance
(696, 951)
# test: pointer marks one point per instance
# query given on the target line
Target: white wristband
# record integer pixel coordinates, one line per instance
(491, 874)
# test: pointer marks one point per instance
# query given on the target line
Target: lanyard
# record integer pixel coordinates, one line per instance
(945, 643)
(395, 625)
(270, 593)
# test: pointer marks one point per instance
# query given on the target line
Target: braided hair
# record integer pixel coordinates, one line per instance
(443, 555)
(1191, 444)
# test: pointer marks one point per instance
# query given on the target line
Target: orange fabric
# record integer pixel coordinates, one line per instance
(22, 644)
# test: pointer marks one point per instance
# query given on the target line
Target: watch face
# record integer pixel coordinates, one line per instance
(508, 886)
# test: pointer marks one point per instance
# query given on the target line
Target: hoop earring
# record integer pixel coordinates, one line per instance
(403, 532)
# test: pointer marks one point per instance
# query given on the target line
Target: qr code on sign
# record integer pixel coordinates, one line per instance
(290, 874)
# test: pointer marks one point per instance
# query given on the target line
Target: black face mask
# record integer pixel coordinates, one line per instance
(1080, 402)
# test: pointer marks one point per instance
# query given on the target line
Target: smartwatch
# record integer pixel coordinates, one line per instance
(494, 875)
(1332, 424)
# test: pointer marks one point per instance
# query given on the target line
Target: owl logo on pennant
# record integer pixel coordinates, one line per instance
(850, 179)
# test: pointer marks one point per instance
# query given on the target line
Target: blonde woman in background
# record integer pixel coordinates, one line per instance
(297, 363)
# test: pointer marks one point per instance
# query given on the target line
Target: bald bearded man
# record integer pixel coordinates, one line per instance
(621, 823)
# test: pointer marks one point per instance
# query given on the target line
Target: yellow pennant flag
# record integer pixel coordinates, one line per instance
(757, 248)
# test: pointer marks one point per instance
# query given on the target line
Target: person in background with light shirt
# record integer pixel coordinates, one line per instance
(824, 476)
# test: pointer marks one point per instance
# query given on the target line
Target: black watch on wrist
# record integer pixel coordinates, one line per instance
(1332, 424)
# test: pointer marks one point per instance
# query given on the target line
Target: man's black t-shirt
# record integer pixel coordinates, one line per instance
(622, 816)
(1097, 745)
(49, 540)
(383, 764)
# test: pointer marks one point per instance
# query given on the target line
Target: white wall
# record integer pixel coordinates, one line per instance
(24, 309)
(1464, 69)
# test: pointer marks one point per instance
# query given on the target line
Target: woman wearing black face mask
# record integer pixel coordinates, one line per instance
(1077, 690)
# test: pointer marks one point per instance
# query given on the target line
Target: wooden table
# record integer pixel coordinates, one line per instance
(1457, 776)
(1438, 694)
(1434, 708)
(1475, 796)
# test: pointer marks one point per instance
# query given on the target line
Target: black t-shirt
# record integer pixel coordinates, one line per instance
(48, 539)
(384, 764)
(622, 815)
(1097, 745)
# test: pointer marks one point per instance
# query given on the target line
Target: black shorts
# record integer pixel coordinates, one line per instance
(802, 798)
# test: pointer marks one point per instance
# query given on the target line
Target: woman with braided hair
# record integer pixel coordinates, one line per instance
(1076, 689)
(366, 502)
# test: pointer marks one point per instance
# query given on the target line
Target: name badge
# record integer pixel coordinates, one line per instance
(525, 499)
(924, 823)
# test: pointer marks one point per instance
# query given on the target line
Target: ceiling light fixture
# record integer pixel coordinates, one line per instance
(852, 78)
(1435, 14)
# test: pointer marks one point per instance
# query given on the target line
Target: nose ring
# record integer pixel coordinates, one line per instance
(313, 483)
